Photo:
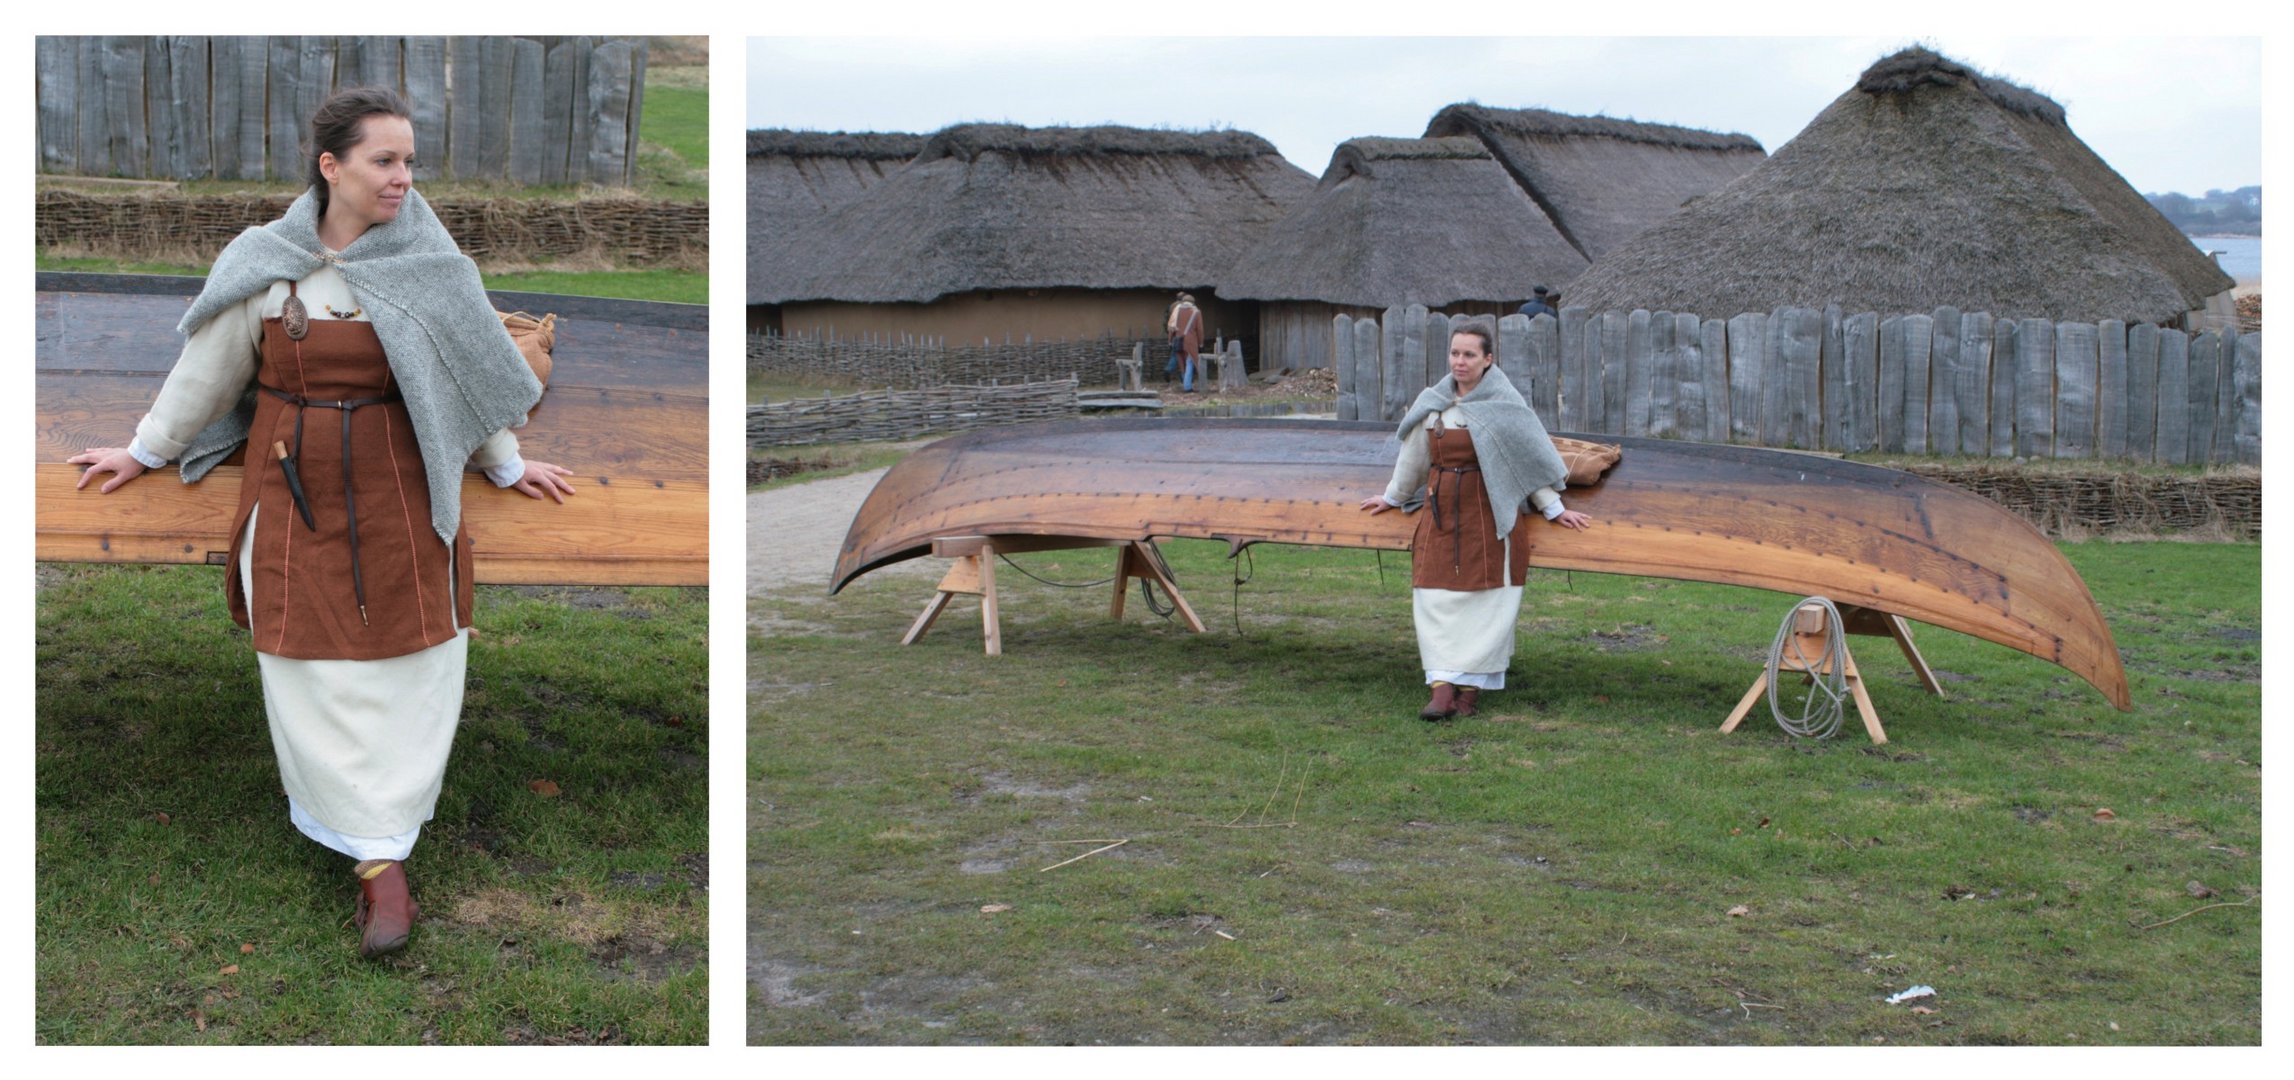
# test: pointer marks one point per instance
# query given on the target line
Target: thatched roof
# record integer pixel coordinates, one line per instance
(994, 206)
(1400, 221)
(1600, 179)
(1925, 184)
(796, 176)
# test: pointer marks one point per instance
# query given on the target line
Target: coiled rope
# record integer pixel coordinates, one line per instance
(1823, 709)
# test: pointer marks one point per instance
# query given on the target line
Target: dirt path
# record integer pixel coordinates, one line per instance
(794, 531)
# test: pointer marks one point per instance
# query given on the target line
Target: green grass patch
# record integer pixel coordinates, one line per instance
(784, 386)
(677, 120)
(1307, 862)
(673, 286)
(785, 465)
(163, 848)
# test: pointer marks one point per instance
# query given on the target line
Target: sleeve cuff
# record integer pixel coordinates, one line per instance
(1553, 510)
(147, 458)
(508, 472)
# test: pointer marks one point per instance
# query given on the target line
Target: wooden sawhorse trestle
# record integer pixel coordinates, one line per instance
(1812, 636)
(974, 574)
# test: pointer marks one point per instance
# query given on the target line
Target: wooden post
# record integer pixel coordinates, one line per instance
(1860, 355)
(2035, 389)
(1747, 348)
(2204, 368)
(1570, 377)
(1664, 377)
(1714, 337)
(1639, 366)
(1689, 376)
(2001, 440)
(2247, 431)
(2111, 394)
(2173, 397)
(1973, 386)
(1943, 382)
(1616, 326)
(2143, 392)
(1369, 387)
(2077, 371)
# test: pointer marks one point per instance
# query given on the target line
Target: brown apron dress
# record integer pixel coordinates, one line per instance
(1457, 546)
(330, 397)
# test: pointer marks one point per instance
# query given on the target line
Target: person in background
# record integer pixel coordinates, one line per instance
(1186, 327)
(1544, 301)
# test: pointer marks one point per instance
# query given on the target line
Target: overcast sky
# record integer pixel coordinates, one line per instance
(2170, 114)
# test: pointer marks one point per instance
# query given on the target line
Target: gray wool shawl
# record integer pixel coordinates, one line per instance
(1517, 456)
(462, 377)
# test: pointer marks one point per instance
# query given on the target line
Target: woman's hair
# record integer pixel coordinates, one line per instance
(1482, 331)
(339, 123)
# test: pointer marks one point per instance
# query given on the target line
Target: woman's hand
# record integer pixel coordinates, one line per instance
(1571, 519)
(108, 459)
(543, 479)
(1377, 504)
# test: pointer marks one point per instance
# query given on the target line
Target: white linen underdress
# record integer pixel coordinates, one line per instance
(362, 744)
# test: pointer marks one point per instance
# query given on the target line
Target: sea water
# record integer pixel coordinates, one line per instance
(2241, 255)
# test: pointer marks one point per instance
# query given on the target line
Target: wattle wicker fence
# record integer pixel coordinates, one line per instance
(907, 414)
(910, 362)
(143, 226)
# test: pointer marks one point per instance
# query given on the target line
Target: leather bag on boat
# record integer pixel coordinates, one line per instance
(535, 338)
(1587, 461)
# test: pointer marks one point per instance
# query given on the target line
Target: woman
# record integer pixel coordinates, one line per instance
(1475, 446)
(351, 348)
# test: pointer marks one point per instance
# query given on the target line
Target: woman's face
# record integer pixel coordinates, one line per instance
(1467, 360)
(369, 182)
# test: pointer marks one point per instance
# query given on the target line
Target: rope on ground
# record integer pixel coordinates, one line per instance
(1822, 710)
(1242, 557)
(1054, 584)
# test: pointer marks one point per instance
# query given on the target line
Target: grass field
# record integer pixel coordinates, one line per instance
(175, 904)
(1588, 862)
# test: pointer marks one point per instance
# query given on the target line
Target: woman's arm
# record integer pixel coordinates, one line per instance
(498, 458)
(215, 368)
(1548, 503)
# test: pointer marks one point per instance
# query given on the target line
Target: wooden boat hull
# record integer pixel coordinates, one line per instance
(1796, 523)
(627, 411)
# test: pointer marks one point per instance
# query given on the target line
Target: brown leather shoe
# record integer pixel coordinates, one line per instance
(1467, 695)
(386, 912)
(1443, 705)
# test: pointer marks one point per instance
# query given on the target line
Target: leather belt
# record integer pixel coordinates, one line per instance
(350, 502)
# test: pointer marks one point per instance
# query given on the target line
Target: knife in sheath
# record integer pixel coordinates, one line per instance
(295, 485)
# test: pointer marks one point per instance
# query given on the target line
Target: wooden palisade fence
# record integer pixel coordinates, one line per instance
(1946, 382)
(531, 110)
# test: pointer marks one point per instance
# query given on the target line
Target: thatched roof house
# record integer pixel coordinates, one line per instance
(796, 176)
(1397, 221)
(1403, 221)
(995, 229)
(1927, 183)
(1601, 180)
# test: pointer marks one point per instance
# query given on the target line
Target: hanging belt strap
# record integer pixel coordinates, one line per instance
(1457, 512)
(350, 500)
